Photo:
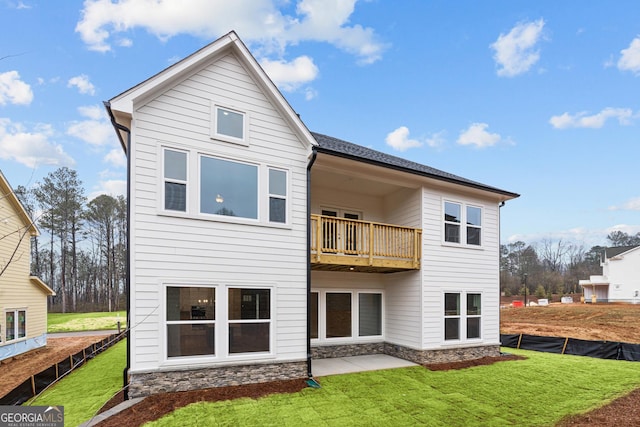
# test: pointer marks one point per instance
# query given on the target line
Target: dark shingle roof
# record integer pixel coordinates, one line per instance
(612, 252)
(338, 147)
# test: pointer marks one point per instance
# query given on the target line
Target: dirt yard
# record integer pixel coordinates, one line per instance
(14, 371)
(605, 322)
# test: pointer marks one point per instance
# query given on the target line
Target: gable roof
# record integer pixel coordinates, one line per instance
(349, 150)
(618, 250)
(7, 192)
(122, 104)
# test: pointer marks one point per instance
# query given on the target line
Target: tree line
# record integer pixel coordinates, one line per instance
(81, 252)
(553, 267)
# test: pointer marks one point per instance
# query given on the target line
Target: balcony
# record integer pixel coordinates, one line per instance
(340, 244)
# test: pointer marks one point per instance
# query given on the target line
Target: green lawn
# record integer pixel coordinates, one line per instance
(71, 322)
(538, 391)
(89, 387)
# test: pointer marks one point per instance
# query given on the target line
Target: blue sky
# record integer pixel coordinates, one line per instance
(539, 98)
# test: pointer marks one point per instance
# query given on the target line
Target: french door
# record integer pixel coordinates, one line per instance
(340, 237)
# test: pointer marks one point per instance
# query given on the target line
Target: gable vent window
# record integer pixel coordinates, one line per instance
(175, 180)
(228, 124)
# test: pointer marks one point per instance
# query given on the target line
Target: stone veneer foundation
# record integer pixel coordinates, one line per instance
(420, 357)
(148, 383)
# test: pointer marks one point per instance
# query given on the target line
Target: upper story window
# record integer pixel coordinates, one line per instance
(462, 224)
(277, 195)
(228, 124)
(175, 180)
(228, 188)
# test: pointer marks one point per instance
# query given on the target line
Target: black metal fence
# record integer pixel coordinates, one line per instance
(600, 349)
(35, 384)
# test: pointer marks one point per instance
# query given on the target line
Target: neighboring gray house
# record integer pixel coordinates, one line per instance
(257, 245)
(620, 279)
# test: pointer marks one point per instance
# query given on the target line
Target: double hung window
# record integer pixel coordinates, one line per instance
(462, 224)
(175, 180)
(462, 322)
(249, 320)
(215, 321)
(191, 321)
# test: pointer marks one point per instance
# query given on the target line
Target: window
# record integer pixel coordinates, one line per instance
(468, 317)
(451, 316)
(314, 315)
(474, 224)
(277, 196)
(369, 314)
(228, 188)
(175, 180)
(473, 316)
(346, 316)
(452, 222)
(191, 319)
(338, 315)
(16, 324)
(228, 124)
(249, 320)
(456, 214)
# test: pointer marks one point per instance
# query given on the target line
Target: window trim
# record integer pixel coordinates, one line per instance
(221, 339)
(218, 216)
(463, 317)
(16, 327)
(244, 141)
(164, 180)
(463, 226)
(278, 196)
(193, 188)
(355, 313)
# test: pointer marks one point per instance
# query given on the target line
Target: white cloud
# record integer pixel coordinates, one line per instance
(595, 121)
(83, 84)
(477, 135)
(31, 148)
(112, 187)
(436, 140)
(289, 76)
(116, 158)
(515, 52)
(399, 139)
(258, 22)
(96, 130)
(630, 57)
(13, 90)
(630, 205)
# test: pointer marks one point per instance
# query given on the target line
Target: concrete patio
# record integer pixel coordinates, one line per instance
(345, 365)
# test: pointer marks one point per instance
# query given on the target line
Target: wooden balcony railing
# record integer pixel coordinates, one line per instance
(354, 245)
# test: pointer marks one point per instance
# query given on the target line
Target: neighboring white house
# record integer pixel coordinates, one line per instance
(256, 245)
(23, 297)
(620, 279)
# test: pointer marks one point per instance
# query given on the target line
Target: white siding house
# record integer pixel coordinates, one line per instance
(620, 279)
(256, 245)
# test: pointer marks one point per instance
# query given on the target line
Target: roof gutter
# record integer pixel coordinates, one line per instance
(314, 154)
(127, 149)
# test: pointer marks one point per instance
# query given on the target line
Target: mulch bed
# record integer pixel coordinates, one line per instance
(158, 405)
(624, 411)
(471, 363)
